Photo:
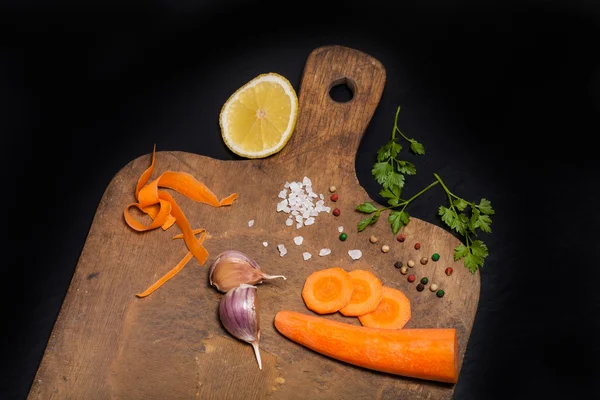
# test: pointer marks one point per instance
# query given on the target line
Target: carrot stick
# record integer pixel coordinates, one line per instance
(172, 272)
(366, 295)
(430, 354)
(327, 290)
(393, 312)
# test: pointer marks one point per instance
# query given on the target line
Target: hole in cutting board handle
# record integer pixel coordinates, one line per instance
(342, 90)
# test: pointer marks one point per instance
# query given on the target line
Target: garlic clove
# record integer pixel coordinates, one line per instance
(232, 268)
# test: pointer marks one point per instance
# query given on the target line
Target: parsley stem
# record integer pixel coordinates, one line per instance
(406, 202)
(396, 125)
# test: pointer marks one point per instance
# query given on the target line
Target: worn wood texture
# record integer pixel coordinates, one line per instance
(108, 344)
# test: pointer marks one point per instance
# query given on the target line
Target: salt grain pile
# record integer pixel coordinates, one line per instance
(298, 201)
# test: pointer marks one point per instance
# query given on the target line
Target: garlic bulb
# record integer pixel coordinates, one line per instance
(231, 268)
(238, 311)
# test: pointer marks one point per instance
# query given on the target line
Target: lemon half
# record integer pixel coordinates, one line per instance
(259, 118)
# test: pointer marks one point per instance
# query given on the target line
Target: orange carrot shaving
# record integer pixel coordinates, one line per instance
(164, 210)
(172, 272)
(195, 231)
(366, 295)
(326, 291)
(393, 312)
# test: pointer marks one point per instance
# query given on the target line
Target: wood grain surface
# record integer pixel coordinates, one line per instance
(109, 344)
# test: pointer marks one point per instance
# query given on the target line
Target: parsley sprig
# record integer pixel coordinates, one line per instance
(462, 216)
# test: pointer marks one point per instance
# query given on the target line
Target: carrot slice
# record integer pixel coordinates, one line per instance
(164, 210)
(392, 312)
(172, 272)
(327, 290)
(366, 295)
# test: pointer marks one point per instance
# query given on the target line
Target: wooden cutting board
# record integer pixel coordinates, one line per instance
(109, 344)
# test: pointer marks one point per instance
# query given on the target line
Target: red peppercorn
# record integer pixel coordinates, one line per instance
(449, 271)
(401, 237)
(411, 278)
(334, 197)
(336, 212)
(417, 246)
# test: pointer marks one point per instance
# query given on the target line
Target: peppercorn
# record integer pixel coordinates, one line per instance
(343, 237)
(411, 263)
(404, 270)
(424, 260)
(435, 257)
(398, 264)
(417, 246)
(424, 280)
(449, 271)
(336, 212)
(373, 239)
(334, 197)
(440, 293)
(411, 278)
(401, 237)
(420, 287)
(332, 188)
(385, 248)
(433, 287)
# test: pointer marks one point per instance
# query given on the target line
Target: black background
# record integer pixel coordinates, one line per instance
(505, 97)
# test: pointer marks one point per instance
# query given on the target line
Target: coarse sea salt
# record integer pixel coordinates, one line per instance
(265, 244)
(282, 250)
(250, 223)
(306, 255)
(298, 240)
(324, 252)
(355, 254)
(298, 199)
(340, 229)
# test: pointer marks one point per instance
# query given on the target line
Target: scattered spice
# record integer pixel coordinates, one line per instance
(306, 256)
(435, 257)
(355, 254)
(343, 236)
(404, 270)
(440, 293)
(332, 188)
(324, 252)
(411, 278)
(411, 263)
(424, 280)
(385, 248)
(334, 197)
(265, 244)
(420, 287)
(401, 237)
(398, 264)
(282, 250)
(297, 201)
(298, 240)
(373, 239)
(433, 287)
(424, 260)
(417, 246)
(449, 271)
(336, 212)
(340, 229)
(250, 223)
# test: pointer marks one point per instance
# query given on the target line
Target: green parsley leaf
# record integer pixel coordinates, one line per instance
(473, 262)
(393, 202)
(479, 248)
(405, 167)
(394, 179)
(484, 222)
(460, 204)
(398, 219)
(381, 171)
(388, 150)
(366, 207)
(460, 251)
(485, 206)
(368, 221)
(417, 147)
(448, 216)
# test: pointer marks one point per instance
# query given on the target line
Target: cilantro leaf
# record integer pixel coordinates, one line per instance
(381, 171)
(405, 167)
(398, 219)
(485, 206)
(460, 251)
(417, 147)
(366, 207)
(368, 221)
(460, 204)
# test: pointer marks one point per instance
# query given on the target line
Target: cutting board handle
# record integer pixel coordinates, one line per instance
(326, 130)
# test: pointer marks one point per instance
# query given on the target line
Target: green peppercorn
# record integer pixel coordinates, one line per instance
(343, 237)
(424, 280)
(420, 287)
(435, 257)
(440, 293)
